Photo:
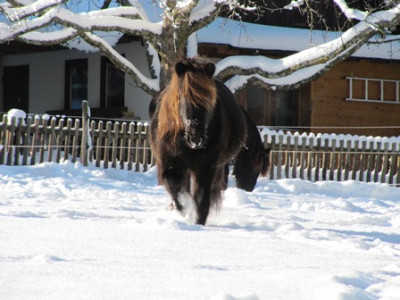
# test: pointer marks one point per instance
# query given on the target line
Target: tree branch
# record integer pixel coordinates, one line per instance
(21, 12)
(200, 15)
(205, 12)
(150, 86)
(49, 38)
(113, 19)
(153, 61)
(292, 81)
(106, 4)
(274, 68)
(352, 39)
(351, 13)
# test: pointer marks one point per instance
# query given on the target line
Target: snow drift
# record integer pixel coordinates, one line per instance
(69, 232)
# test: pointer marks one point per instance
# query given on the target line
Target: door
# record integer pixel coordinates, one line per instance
(16, 88)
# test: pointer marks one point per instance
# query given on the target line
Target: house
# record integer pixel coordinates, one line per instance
(56, 80)
(360, 95)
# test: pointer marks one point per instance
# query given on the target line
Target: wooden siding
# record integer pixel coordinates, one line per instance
(329, 107)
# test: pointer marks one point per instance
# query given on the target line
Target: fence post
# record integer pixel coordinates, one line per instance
(3, 139)
(10, 137)
(85, 142)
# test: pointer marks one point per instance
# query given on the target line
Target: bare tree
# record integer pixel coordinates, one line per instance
(51, 22)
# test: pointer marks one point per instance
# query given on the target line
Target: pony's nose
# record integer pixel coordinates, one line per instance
(196, 143)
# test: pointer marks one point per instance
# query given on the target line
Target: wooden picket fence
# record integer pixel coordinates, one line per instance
(331, 157)
(109, 144)
(125, 145)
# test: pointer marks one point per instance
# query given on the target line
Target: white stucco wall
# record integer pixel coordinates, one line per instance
(136, 99)
(47, 69)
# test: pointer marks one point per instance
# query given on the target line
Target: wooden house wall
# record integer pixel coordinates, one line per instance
(330, 107)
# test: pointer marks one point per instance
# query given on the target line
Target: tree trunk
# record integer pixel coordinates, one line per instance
(174, 47)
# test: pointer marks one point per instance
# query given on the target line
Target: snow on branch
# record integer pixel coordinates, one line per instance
(294, 4)
(292, 80)
(11, 32)
(122, 11)
(49, 38)
(351, 13)
(148, 85)
(153, 60)
(323, 55)
(202, 10)
(21, 12)
(90, 22)
(273, 68)
(122, 19)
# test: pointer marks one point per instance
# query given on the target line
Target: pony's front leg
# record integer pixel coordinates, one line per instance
(207, 193)
(175, 179)
(202, 199)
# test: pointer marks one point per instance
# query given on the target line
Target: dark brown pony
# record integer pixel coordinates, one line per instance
(197, 128)
(252, 160)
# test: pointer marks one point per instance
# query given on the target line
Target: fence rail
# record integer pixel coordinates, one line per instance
(125, 145)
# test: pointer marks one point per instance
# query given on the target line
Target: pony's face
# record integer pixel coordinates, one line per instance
(195, 121)
(196, 110)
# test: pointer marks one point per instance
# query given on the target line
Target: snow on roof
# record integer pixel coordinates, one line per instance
(265, 37)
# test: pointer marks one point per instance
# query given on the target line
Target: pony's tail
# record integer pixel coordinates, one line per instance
(265, 163)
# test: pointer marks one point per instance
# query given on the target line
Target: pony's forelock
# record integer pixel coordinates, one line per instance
(195, 87)
(169, 121)
(199, 89)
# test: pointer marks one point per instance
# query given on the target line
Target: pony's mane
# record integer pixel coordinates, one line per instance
(194, 86)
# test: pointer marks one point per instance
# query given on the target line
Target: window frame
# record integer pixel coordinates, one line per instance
(366, 93)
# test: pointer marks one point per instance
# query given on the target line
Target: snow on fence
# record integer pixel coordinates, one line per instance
(105, 144)
(125, 145)
(333, 157)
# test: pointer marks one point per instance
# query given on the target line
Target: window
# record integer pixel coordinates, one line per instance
(76, 83)
(16, 87)
(373, 90)
(255, 104)
(284, 107)
(272, 108)
(112, 93)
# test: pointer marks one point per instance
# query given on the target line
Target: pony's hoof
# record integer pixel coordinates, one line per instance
(171, 206)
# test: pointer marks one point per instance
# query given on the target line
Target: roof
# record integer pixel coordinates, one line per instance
(275, 38)
(14, 47)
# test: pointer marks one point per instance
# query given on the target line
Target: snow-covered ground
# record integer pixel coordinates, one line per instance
(68, 232)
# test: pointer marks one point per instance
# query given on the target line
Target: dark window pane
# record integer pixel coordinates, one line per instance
(115, 87)
(112, 87)
(76, 83)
